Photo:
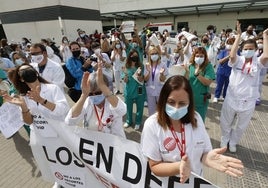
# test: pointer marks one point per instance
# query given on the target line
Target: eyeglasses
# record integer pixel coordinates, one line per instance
(36, 53)
(95, 93)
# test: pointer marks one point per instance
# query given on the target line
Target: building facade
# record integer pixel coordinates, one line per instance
(48, 19)
(194, 14)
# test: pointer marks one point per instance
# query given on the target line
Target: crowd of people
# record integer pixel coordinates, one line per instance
(174, 83)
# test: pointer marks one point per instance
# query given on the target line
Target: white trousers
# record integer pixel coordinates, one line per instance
(234, 123)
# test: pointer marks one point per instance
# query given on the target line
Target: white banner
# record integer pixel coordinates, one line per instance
(80, 158)
(10, 119)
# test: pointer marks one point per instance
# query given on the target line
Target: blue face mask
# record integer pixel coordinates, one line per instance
(97, 99)
(176, 113)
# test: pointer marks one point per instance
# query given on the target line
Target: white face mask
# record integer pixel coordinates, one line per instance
(176, 54)
(37, 58)
(194, 42)
(228, 47)
(19, 61)
(97, 51)
(260, 46)
(82, 35)
(134, 44)
(248, 53)
(154, 57)
(199, 60)
(118, 46)
(183, 41)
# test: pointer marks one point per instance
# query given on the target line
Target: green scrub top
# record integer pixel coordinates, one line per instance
(199, 90)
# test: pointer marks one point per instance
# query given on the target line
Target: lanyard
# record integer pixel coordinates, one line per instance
(153, 72)
(244, 66)
(99, 118)
(181, 144)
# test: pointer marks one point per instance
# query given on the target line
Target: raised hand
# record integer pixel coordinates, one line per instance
(17, 100)
(34, 94)
(85, 84)
(185, 169)
(238, 28)
(228, 165)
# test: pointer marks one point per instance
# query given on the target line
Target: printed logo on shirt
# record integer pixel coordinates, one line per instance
(169, 144)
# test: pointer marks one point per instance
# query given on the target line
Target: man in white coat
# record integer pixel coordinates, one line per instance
(48, 69)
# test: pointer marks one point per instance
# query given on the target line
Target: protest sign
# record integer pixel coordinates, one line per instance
(10, 119)
(83, 158)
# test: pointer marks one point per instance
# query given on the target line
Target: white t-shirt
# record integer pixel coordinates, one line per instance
(154, 137)
(112, 118)
(243, 85)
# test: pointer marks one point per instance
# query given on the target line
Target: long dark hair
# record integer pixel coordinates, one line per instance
(16, 79)
(176, 82)
(128, 61)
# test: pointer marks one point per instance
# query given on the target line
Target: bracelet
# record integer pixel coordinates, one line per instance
(45, 102)
(26, 111)
(107, 96)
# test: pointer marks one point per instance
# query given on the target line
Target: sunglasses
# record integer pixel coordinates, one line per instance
(95, 93)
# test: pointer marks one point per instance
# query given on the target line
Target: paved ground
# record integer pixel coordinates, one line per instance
(18, 168)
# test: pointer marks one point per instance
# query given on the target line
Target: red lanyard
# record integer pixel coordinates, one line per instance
(99, 118)
(181, 144)
(244, 66)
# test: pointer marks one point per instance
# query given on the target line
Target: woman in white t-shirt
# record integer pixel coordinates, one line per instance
(118, 58)
(243, 91)
(99, 109)
(175, 140)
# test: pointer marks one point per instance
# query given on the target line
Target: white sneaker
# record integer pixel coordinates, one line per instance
(222, 99)
(56, 185)
(232, 149)
(137, 127)
(126, 125)
(215, 99)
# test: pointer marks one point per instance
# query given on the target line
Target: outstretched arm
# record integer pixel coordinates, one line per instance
(228, 165)
(164, 169)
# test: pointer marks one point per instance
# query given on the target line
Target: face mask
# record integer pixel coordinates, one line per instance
(250, 32)
(37, 58)
(194, 42)
(228, 47)
(97, 51)
(205, 41)
(29, 75)
(260, 46)
(176, 54)
(82, 35)
(134, 58)
(199, 60)
(76, 53)
(176, 113)
(118, 46)
(65, 41)
(223, 39)
(211, 31)
(97, 99)
(248, 53)
(19, 61)
(134, 44)
(183, 41)
(154, 57)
